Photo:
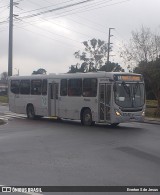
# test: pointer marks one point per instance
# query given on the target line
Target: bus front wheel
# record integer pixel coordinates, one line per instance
(30, 112)
(87, 118)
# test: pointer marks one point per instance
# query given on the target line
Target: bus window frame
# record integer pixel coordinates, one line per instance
(29, 91)
(11, 83)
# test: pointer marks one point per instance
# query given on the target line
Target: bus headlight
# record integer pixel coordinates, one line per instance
(117, 113)
(143, 113)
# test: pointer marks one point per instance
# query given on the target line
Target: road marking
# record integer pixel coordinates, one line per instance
(8, 116)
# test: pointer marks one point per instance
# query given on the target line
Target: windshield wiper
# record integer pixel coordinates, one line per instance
(126, 88)
(135, 88)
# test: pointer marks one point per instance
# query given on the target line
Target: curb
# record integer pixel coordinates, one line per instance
(2, 122)
(152, 121)
(3, 104)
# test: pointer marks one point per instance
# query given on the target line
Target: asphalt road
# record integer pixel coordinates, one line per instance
(48, 152)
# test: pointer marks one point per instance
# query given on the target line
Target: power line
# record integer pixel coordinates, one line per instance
(88, 26)
(53, 39)
(56, 9)
(93, 6)
(68, 28)
(44, 7)
(50, 31)
(85, 10)
(62, 27)
(81, 8)
(101, 2)
(3, 22)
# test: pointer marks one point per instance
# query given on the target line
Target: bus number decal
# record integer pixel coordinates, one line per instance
(44, 101)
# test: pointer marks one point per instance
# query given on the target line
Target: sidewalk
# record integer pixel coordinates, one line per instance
(3, 104)
(2, 122)
(152, 120)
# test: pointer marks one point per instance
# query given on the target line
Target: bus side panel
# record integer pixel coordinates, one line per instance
(12, 99)
(70, 107)
(39, 103)
(21, 102)
(12, 106)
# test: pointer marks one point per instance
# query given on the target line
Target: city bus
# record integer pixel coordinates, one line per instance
(94, 97)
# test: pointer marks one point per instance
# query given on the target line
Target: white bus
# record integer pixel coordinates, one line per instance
(101, 97)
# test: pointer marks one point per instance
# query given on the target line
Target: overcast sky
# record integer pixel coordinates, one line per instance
(49, 40)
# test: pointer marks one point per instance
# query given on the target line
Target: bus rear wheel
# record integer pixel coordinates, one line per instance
(86, 119)
(30, 112)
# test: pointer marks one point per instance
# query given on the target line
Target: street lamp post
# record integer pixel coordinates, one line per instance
(10, 46)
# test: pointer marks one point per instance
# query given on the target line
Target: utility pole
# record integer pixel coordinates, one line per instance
(10, 46)
(109, 43)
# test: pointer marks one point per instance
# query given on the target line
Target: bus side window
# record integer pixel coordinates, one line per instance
(63, 87)
(25, 87)
(14, 86)
(75, 87)
(36, 87)
(44, 87)
(90, 87)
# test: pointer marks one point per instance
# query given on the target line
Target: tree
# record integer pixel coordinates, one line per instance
(144, 46)
(4, 76)
(93, 57)
(143, 51)
(151, 73)
(111, 67)
(39, 71)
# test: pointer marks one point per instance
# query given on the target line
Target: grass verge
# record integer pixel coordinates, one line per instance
(3, 99)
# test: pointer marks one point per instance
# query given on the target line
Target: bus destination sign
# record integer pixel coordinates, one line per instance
(128, 77)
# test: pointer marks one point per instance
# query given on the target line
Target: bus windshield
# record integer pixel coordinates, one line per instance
(129, 95)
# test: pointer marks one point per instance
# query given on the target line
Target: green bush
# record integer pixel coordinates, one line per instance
(151, 109)
(157, 113)
(151, 103)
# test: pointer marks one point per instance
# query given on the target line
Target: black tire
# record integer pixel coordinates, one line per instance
(38, 117)
(114, 124)
(30, 112)
(86, 119)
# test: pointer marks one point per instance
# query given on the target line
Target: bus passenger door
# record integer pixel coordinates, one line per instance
(104, 102)
(53, 99)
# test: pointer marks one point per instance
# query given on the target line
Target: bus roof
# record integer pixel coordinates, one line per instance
(99, 74)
